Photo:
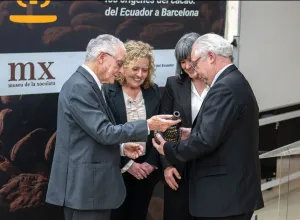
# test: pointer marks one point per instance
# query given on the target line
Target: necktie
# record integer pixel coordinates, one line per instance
(103, 96)
(107, 109)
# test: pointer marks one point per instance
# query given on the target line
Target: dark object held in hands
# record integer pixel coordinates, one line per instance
(173, 133)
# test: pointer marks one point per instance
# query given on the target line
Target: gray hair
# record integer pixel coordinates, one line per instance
(214, 43)
(183, 49)
(103, 43)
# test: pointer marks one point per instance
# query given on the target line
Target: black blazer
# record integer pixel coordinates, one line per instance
(115, 100)
(224, 167)
(177, 97)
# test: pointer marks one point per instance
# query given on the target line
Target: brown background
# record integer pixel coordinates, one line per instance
(79, 21)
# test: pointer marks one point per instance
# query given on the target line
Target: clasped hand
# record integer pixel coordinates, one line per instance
(141, 170)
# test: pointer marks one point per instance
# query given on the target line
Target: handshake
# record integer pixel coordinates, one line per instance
(155, 123)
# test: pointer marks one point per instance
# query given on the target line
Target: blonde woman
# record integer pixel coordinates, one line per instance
(134, 96)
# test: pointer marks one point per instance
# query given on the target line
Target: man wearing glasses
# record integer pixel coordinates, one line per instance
(86, 176)
(222, 147)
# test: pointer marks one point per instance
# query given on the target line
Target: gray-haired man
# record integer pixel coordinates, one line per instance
(86, 177)
(221, 150)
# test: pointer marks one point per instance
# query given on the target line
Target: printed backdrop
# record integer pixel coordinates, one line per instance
(36, 59)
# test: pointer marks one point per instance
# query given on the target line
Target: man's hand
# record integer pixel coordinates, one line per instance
(169, 174)
(136, 170)
(132, 150)
(159, 147)
(185, 133)
(160, 122)
(147, 168)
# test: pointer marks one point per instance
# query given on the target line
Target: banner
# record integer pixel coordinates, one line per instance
(41, 45)
(31, 73)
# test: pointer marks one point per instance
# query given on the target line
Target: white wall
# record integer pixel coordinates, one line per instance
(269, 51)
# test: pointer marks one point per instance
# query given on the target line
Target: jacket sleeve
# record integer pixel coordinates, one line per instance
(218, 117)
(88, 113)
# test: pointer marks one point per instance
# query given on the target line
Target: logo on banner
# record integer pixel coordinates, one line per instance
(31, 18)
(31, 74)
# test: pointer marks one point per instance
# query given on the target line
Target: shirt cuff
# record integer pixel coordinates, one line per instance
(122, 150)
(127, 166)
(148, 129)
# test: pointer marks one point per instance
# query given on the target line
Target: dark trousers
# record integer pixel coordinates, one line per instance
(138, 197)
(176, 203)
(246, 216)
(72, 214)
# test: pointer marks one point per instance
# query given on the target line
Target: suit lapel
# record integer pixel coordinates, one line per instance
(150, 101)
(118, 103)
(226, 72)
(111, 116)
(98, 92)
(184, 94)
(106, 107)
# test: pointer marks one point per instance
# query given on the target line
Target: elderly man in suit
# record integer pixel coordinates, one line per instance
(86, 177)
(222, 146)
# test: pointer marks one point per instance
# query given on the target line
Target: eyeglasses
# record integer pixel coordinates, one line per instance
(194, 63)
(119, 62)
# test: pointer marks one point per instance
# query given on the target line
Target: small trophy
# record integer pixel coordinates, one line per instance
(173, 133)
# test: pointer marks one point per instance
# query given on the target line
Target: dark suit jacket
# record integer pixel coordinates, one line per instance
(115, 99)
(224, 168)
(85, 172)
(177, 97)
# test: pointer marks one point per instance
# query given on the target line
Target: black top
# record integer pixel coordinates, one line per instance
(115, 100)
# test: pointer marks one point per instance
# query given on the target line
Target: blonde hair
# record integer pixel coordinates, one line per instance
(134, 51)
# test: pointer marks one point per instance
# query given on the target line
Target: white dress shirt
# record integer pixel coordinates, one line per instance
(197, 100)
(93, 75)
